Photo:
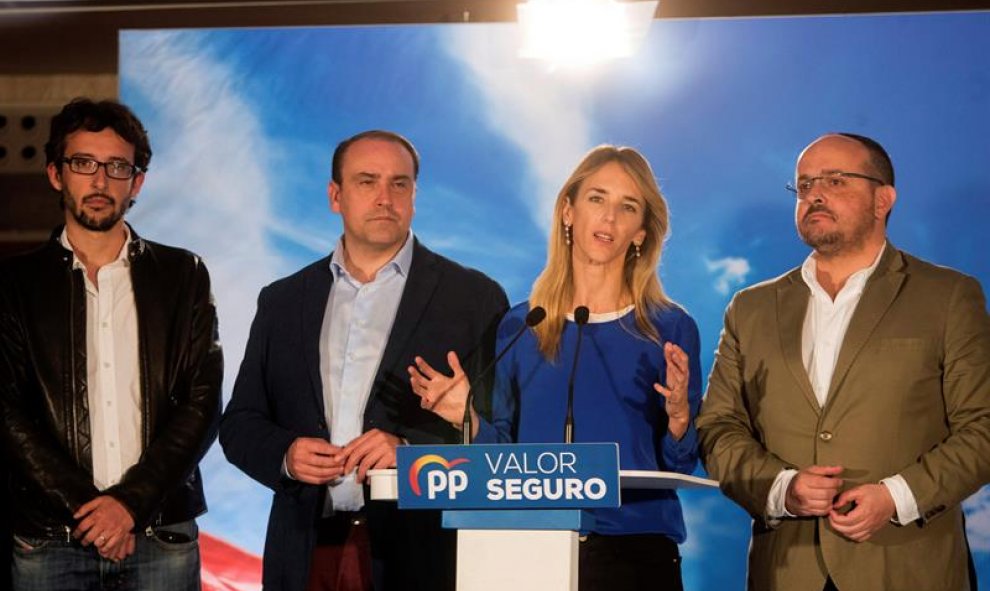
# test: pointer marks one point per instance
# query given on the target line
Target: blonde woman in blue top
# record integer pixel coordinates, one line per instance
(610, 222)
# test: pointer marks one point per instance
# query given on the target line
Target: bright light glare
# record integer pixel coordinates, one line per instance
(582, 32)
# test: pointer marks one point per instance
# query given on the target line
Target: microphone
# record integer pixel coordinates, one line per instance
(534, 317)
(581, 314)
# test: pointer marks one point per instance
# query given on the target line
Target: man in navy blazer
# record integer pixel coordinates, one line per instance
(323, 391)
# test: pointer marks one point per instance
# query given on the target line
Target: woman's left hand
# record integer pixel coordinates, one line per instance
(676, 393)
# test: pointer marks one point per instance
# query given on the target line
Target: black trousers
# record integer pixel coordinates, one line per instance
(410, 550)
(629, 563)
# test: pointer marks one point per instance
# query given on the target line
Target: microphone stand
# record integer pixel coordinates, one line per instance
(581, 314)
(534, 317)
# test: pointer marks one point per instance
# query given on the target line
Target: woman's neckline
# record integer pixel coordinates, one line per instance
(600, 317)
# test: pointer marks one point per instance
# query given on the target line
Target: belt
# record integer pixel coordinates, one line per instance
(56, 533)
(59, 532)
(339, 518)
(333, 530)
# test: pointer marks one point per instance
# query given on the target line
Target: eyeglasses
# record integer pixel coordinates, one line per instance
(833, 182)
(115, 169)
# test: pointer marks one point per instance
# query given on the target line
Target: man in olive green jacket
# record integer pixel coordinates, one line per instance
(848, 410)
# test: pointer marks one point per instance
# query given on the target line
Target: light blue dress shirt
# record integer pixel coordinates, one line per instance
(356, 328)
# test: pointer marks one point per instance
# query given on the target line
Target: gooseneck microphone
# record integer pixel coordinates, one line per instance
(535, 316)
(581, 314)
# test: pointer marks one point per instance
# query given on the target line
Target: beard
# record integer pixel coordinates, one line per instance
(91, 223)
(831, 242)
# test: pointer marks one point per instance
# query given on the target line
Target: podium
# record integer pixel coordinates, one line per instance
(521, 533)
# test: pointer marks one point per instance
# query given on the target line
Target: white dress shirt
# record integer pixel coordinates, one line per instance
(356, 328)
(112, 369)
(825, 324)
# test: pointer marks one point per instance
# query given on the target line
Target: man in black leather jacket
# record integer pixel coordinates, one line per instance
(110, 372)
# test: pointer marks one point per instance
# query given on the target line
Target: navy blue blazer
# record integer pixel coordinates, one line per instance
(278, 396)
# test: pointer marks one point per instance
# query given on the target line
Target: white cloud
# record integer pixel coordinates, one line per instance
(460, 229)
(238, 506)
(731, 272)
(318, 242)
(978, 520)
(728, 533)
(544, 113)
(207, 190)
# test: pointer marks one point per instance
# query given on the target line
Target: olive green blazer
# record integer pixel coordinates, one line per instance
(910, 395)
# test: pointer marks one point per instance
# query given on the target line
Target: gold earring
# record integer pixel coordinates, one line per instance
(567, 234)
(637, 250)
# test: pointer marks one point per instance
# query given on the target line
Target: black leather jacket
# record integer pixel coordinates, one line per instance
(43, 396)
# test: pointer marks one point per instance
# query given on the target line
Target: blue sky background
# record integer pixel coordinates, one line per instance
(243, 123)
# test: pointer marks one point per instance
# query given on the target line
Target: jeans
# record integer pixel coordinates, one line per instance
(165, 560)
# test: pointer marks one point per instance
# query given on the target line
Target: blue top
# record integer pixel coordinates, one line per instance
(614, 401)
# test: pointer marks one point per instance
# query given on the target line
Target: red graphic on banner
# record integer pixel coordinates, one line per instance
(227, 567)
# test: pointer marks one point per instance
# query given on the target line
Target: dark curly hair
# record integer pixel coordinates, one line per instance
(89, 115)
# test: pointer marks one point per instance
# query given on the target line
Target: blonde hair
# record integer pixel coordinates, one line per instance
(554, 288)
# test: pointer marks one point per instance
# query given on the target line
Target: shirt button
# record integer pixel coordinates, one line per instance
(106, 365)
(105, 325)
(825, 436)
(112, 444)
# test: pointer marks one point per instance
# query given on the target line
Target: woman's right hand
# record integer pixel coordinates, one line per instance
(443, 395)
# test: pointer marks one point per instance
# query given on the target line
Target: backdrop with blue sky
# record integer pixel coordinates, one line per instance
(243, 123)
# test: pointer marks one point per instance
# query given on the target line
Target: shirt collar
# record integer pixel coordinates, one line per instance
(77, 264)
(856, 282)
(400, 263)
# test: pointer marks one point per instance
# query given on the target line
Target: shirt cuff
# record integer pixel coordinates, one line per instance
(904, 501)
(777, 499)
(285, 469)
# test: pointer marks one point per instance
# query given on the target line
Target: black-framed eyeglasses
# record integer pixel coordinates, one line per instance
(115, 169)
(831, 182)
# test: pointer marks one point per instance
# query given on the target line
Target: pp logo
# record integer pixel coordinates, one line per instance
(440, 478)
